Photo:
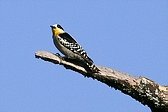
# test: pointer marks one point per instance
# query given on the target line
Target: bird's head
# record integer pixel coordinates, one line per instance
(57, 29)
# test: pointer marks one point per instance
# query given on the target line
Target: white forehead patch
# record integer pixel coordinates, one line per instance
(55, 25)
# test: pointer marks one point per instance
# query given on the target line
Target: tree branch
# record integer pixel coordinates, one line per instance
(141, 89)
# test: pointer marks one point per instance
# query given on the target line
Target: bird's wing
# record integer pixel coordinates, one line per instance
(67, 41)
(67, 37)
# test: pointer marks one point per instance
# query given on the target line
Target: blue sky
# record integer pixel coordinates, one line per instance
(128, 35)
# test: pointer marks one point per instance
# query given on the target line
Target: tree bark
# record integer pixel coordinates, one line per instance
(142, 89)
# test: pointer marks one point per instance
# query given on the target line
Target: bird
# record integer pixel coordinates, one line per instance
(70, 48)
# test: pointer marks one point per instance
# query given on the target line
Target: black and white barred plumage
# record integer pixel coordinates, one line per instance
(69, 47)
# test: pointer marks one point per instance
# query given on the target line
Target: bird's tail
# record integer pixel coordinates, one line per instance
(90, 64)
(93, 68)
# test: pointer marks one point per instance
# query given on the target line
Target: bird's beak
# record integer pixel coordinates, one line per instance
(51, 26)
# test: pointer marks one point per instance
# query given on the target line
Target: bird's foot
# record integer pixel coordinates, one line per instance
(58, 54)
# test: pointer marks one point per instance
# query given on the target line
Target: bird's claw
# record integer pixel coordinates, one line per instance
(58, 54)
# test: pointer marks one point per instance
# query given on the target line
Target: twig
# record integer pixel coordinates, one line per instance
(142, 89)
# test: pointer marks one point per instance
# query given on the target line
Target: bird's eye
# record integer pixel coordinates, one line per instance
(59, 26)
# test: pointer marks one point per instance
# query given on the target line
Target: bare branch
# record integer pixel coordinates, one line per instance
(142, 89)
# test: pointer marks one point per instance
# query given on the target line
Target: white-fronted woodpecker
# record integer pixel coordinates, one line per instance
(70, 48)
